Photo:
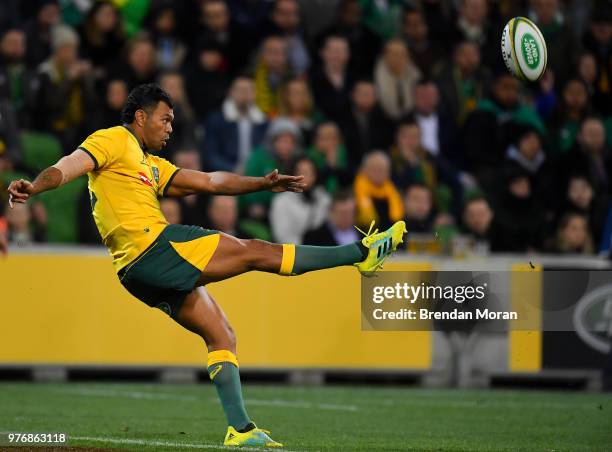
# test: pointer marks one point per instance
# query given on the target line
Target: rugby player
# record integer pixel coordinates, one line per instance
(165, 266)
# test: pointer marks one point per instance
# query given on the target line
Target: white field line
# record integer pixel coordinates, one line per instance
(159, 443)
(301, 404)
(128, 394)
(169, 396)
(420, 400)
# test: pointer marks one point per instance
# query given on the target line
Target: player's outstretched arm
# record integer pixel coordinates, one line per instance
(65, 170)
(187, 182)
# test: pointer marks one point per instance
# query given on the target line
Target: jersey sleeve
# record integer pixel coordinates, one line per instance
(102, 147)
(167, 171)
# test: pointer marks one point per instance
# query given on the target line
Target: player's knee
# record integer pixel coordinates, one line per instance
(223, 338)
(225, 341)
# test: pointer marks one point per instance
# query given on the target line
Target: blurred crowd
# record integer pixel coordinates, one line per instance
(391, 109)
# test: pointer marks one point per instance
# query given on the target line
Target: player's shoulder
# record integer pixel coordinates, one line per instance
(113, 133)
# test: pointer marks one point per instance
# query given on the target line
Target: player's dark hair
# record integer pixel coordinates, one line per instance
(143, 97)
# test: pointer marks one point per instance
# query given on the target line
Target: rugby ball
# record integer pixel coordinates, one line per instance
(524, 49)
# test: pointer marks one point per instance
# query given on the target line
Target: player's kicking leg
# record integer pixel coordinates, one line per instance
(204, 317)
(234, 256)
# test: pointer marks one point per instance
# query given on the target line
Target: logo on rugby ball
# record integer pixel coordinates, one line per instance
(524, 49)
(531, 52)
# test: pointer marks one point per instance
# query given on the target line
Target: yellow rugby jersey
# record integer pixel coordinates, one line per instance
(124, 188)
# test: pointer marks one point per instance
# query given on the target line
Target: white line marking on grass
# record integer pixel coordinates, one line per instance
(129, 394)
(188, 398)
(158, 443)
(301, 404)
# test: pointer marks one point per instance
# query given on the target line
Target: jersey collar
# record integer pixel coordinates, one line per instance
(140, 143)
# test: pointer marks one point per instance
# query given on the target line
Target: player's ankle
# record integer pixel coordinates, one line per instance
(250, 426)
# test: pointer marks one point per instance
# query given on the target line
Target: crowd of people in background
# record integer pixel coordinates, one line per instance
(391, 109)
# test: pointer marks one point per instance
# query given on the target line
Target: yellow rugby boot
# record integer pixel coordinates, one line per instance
(381, 245)
(254, 438)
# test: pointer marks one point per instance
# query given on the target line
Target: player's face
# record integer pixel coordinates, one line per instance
(158, 126)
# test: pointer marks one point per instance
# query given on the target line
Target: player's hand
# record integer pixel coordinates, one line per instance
(279, 182)
(19, 191)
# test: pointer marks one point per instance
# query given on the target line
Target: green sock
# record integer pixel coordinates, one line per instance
(305, 258)
(226, 378)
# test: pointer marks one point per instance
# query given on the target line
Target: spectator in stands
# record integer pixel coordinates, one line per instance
(22, 231)
(573, 236)
(525, 151)
(293, 214)
(184, 124)
(296, 103)
(280, 149)
(427, 54)
(415, 162)
(587, 72)
(140, 65)
(271, 72)
(376, 195)
(418, 208)
(331, 81)
(171, 209)
(329, 156)
(38, 32)
(67, 92)
(364, 125)
(438, 132)
(559, 38)
(17, 82)
(222, 215)
(206, 78)
(217, 28)
(169, 47)
(568, 115)
(489, 128)
(109, 114)
(463, 83)
(101, 35)
(364, 45)
(598, 42)
(478, 221)
(339, 228)
(193, 207)
(285, 22)
(581, 198)
(411, 162)
(396, 76)
(232, 132)
(472, 25)
(519, 218)
(590, 156)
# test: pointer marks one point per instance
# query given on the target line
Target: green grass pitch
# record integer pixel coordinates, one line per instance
(147, 417)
